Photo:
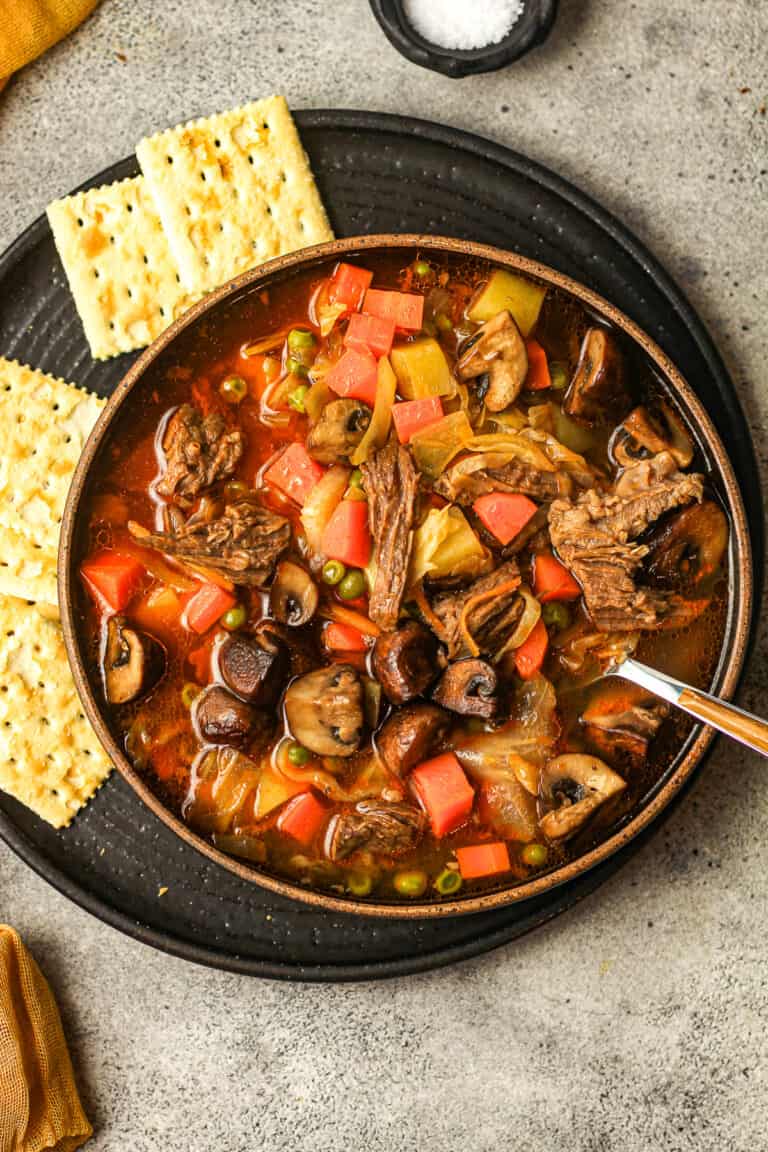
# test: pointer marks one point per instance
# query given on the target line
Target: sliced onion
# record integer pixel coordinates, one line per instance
(321, 504)
(527, 622)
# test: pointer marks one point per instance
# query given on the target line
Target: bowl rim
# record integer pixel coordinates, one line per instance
(732, 656)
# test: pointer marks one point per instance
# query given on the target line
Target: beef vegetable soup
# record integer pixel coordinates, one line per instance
(355, 569)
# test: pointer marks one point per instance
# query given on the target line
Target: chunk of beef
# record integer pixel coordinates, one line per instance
(198, 451)
(243, 543)
(499, 351)
(376, 826)
(593, 536)
(487, 472)
(597, 391)
(491, 619)
(391, 484)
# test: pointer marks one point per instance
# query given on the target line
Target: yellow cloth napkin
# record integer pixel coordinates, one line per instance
(39, 1105)
(29, 27)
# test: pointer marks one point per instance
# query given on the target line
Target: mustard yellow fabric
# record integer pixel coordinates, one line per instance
(39, 1105)
(29, 27)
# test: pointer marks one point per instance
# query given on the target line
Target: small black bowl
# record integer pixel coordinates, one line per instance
(530, 30)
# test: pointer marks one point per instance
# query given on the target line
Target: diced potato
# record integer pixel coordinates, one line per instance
(421, 369)
(274, 790)
(521, 297)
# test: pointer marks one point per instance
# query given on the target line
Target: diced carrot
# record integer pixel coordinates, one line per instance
(165, 760)
(354, 376)
(199, 660)
(112, 577)
(552, 580)
(412, 415)
(529, 657)
(344, 614)
(346, 536)
(504, 514)
(405, 308)
(302, 818)
(444, 792)
(207, 606)
(348, 286)
(370, 334)
(343, 638)
(476, 860)
(294, 472)
(538, 368)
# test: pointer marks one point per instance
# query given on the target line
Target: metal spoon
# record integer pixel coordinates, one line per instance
(733, 722)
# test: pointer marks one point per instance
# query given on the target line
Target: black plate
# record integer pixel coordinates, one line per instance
(376, 174)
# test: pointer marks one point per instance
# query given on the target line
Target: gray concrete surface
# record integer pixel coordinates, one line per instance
(637, 1021)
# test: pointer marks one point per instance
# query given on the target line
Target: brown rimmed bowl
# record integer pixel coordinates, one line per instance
(740, 583)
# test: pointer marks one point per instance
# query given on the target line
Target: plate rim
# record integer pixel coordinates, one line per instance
(605, 222)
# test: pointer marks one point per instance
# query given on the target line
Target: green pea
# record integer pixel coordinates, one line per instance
(352, 586)
(234, 618)
(299, 339)
(443, 322)
(233, 389)
(356, 479)
(297, 397)
(448, 882)
(298, 755)
(411, 882)
(189, 694)
(534, 855)
(359, 883)
(559, 375)
(421, 268)
(556, 615)
(333, 572)
(295, 367)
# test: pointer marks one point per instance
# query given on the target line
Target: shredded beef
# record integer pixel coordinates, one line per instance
(391, 484)
(198, 452)
(594, 537)
(376, 826)
(244, 543)
(490, 622)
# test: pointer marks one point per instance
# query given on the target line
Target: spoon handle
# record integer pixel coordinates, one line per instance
(732, 721)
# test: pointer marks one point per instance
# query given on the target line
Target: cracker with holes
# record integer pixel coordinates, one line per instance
(45, 424)
(50, 758)
(119, 267)
(233, 191)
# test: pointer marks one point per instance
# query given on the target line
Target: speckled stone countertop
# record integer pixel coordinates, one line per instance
(638, 1020)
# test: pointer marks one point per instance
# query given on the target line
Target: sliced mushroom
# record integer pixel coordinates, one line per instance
(469, 687)
(376, 826)
(596, 391)
(132, 662)
(255, 667)
(409, 736)
(576, 785)
(620, 721)
(689, 548)
(405, 662)
(293, 598)
(645, 434)
(325, 710)
(498, 349)
(339, 430)
(221, 717)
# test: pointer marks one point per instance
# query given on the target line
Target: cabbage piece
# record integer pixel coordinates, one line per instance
(377, 431)
(434, 447)
(509, 809)
(321, 504)
(230, 776)
(563, 458)
(513, 446)
(445, 546)
(530, 734)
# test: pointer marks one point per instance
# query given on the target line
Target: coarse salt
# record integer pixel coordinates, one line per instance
(463, 24)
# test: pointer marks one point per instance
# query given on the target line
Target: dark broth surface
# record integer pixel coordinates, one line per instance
(238, 794)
